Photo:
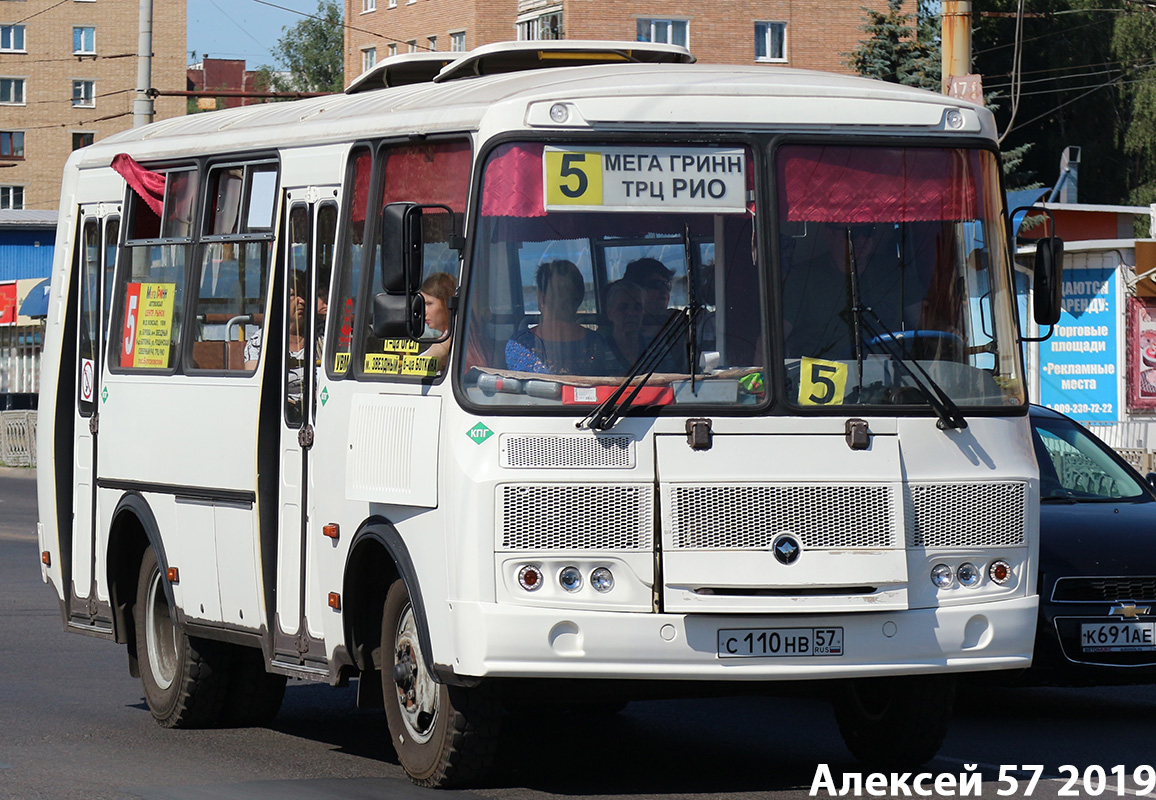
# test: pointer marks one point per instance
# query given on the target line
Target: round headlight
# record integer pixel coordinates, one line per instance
(602, 579)
(530, 577)
(570, 578)
(942, 576)
(968, 574)
(559, 113)
(1000, 572)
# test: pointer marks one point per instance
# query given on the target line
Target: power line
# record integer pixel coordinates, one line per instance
(344, 24)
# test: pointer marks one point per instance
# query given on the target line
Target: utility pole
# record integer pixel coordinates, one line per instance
(142, 105)
(956, 45)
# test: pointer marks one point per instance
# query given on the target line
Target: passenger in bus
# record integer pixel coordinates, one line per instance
(296, 327)
(437, 290)
(558, 344)
(623, 310)
(653, 277)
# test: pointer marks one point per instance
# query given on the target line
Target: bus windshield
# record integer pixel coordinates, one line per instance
(595, 263)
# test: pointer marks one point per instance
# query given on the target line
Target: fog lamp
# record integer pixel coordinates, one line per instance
(942, 576)
(559, 113)
(570, 578)
(1000, 572)
(968, 574)
(530, 577)
(954, 119)
(602, 579)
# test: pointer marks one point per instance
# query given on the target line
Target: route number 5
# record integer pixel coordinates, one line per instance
(821, 383)
(573, 178)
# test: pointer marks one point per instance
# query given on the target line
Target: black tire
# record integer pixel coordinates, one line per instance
(255, 695)
(185, 679)
(895, 722)
(444, 736)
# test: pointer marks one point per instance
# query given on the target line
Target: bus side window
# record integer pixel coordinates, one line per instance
(429, 173)
(341, 322)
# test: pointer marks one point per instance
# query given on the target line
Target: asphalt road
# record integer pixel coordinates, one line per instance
(73, 725)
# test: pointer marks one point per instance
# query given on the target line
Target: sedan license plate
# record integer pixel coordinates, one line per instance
(1118, 637)
(761, 642)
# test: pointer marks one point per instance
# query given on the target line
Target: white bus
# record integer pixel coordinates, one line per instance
(557, 373)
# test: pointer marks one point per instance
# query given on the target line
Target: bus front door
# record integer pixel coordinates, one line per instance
(88, 604)
(311, 235)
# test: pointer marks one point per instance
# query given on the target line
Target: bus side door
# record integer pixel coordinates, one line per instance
(311, 238)
(95, 262)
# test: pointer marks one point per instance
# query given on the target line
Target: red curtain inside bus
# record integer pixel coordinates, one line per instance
(513, 184)
(149, 185)
(877, 184)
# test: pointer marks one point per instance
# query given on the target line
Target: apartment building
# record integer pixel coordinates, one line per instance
(68, 78)
(772, 32)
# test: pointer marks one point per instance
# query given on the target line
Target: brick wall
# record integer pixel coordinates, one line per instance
(719, 32)
(48, 117)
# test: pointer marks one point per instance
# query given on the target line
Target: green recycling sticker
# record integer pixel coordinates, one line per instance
(479, 433)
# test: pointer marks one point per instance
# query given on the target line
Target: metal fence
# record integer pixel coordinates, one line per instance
(18, 438)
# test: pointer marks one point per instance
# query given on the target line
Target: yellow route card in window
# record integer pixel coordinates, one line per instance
(821, 383)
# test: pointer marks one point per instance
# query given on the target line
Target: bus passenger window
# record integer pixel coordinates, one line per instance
(357, 192)
(148, 304)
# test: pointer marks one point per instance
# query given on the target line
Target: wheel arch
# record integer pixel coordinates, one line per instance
(377, 557)
(133, 530)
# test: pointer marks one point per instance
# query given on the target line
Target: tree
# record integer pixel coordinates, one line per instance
(311, 52)
(897, 52)
(1133, 42)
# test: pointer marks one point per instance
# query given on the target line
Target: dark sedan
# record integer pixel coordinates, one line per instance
(1097, 586)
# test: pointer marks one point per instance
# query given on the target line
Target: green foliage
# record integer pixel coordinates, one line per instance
(896, 51)
(311, 53)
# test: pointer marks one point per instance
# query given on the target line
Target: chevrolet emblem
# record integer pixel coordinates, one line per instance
(1130, 610)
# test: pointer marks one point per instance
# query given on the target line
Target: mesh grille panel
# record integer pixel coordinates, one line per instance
(567, 451)
(965, 514)
(1110, 590)
(575, 517)
(751, 516)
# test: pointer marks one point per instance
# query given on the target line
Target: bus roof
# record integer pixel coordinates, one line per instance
(678, 96)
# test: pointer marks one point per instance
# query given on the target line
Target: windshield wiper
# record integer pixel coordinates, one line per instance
(950, 417)
(613, 407)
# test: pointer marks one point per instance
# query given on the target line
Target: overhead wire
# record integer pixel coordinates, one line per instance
(1017, 65)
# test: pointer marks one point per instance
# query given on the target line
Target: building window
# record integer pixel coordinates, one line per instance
(11, 38)
(541, 26)
(458, 42)
(11, 198)
(80, 140)
(392, 50)
(12, 91)
(663, 31)
(412, 45)
(84, 40)
(432, 43)
(770, 41)
(12, 144)
(83, 94)
(392, 4)
(368, 58)
(368, 5)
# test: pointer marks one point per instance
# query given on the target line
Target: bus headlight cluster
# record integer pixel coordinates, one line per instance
(969, 575)
(570, 578)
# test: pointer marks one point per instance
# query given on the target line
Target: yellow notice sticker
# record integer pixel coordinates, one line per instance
(400, 346)
(821, 383)
(573, 178)
(419, 365)
(340, 362)
(382, 363)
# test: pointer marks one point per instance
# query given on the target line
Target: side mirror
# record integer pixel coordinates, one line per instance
(401, 248)
(1048, 280)
(398, 316)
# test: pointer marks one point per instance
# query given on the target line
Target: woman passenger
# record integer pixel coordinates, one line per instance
(558, 345)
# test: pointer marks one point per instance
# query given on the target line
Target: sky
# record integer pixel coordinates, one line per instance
(245, 29)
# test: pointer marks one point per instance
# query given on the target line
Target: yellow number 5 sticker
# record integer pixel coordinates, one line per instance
(821, 383)
(573, 179)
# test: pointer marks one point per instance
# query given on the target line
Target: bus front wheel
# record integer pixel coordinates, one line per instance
(443, 735)
(185, 679)
(895, 722)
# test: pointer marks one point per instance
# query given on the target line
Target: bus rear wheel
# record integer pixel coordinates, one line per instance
(895, 722)
(185, 679)
(444, 735)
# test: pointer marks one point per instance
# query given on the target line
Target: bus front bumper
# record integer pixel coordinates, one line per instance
(494, 640)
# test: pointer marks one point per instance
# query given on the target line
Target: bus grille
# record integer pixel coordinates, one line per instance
(575, 517)
(567, 451)
(750, 517)
(965, 514)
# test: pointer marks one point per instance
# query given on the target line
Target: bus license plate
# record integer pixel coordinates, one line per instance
(762, 642)
(1118, 637)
